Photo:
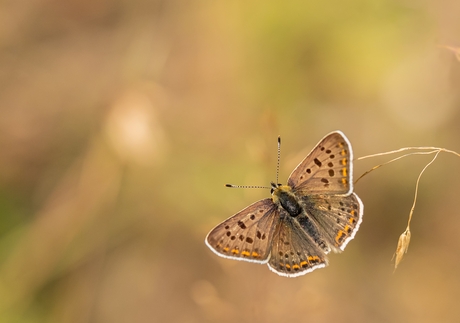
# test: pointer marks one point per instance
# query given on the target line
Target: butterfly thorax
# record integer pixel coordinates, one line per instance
(283, 196)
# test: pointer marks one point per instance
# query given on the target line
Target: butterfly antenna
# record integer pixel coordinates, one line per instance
(278, 163)
(246, 186)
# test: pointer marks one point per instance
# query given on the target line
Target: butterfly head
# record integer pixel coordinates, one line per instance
(283, 196)
(274, 187)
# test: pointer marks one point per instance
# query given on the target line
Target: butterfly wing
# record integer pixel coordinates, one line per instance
(327, 169)
(247, 234)
(293, 253)
(338, 217)
(323, 182)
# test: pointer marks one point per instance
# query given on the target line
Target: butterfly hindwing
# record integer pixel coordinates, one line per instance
(327, 169)
(247, 234)
(337, 216)
(293, 253)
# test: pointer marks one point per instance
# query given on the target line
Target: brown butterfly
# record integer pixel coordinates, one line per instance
(296, 228)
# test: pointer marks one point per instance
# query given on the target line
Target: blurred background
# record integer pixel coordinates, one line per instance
(121, 121)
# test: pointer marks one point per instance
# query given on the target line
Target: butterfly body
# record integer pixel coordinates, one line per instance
(282, 196)
(296, 228)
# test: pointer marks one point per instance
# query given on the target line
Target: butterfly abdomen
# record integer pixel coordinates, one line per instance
(283, 195)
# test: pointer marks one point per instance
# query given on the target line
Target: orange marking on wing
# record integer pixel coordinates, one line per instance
(313, 258)
(339, 236)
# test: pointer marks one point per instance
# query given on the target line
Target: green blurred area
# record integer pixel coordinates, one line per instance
(121, 121)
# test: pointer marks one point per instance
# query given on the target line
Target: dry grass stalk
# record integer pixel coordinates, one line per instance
(404, 238)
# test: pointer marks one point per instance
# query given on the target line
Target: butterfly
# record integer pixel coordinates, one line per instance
(294, 230)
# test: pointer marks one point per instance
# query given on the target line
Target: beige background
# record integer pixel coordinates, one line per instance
(121, 121)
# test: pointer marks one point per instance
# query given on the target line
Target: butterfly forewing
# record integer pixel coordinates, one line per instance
(247, 234)
(338, 217)
(327, 169)
(293, 253)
